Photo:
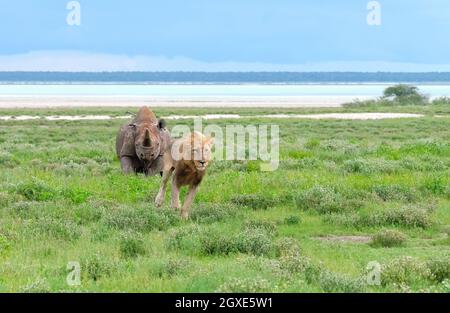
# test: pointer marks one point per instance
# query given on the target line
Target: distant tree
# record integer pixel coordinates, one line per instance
(405, 95)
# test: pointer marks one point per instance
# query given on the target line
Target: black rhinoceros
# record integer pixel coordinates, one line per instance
(141, 144)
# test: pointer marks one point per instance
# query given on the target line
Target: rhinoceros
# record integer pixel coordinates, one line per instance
(141, 144)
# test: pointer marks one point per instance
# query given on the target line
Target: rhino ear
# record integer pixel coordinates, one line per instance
(147, 138)
(162, 124)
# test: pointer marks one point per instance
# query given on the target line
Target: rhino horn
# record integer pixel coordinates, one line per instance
(147, 139)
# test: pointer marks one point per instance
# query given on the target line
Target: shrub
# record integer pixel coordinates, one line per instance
(245, 285)
(323, 200)
(126, 218)
(75, 195)
(388, 238)
(96, 266)
(368, 166)
(405, 216)
(287, 246)
(256, 202)
(55, 228)
(436, 185)
(292, 220)
(36, 190)
(404, 270)
(264, 225)
(100, 233)
(87, 213)
(394, 192)
(139, 219)
(332, 282)
(7, 159)
(23, 209)
(368, 103)
(254, 241)
(215, 242)
(212, 212)
(184, 238)
(131, 245)
(439, 268)
(173, 267)
(441, 101)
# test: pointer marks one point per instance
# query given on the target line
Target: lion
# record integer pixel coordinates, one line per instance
(141, 144)
(187, 159)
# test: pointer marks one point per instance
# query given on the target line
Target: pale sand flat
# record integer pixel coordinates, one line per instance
(338, 116)
(7, 101)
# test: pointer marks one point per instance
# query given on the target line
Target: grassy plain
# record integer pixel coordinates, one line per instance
(346, 193)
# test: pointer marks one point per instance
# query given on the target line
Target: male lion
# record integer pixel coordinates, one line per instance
(187, 159)
(141, 144)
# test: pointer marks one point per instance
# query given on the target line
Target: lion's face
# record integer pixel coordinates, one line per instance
(147, 142)
(201, 155)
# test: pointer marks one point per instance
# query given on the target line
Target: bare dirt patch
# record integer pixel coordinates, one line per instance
(352, 239)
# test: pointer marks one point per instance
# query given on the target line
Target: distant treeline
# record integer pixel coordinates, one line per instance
(225, 77)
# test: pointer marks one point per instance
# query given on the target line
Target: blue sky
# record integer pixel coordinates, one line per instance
(225, 35)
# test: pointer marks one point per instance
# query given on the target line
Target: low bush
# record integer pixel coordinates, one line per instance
(287, 246)
(255, 241)
(395, 192)
(413, 217)
(36, 190)
(185, 238)
(404, 270)
(324, 199)
(141, 219)
(265, 225)
(212, 212)
(54, 228)
(370, 166)
(439, 268)
(292, 220)
(173, 267)
(131, 245)
(388, 238)
(97, 266)
(256, 202)
(332, 282)
(213, 242)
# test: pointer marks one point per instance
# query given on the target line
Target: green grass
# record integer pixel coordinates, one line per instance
(63, 198)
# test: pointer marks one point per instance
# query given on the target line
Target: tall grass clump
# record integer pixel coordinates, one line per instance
(213, 212)
(131, 245)
(255, 201)
(36, 190)
(388, 238)
(324, 199)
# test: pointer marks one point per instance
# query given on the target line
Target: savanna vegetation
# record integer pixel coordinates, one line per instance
(400, 95)
(346, 193)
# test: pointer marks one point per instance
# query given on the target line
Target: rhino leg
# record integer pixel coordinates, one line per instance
(156, 167)
(126, 163)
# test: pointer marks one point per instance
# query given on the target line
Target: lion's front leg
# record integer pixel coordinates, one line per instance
(188, 201)
(159, 200)
(175, 197)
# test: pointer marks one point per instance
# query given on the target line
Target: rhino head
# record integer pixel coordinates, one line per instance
(147, 140)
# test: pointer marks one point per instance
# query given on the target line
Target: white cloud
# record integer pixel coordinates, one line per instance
(72, 61)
